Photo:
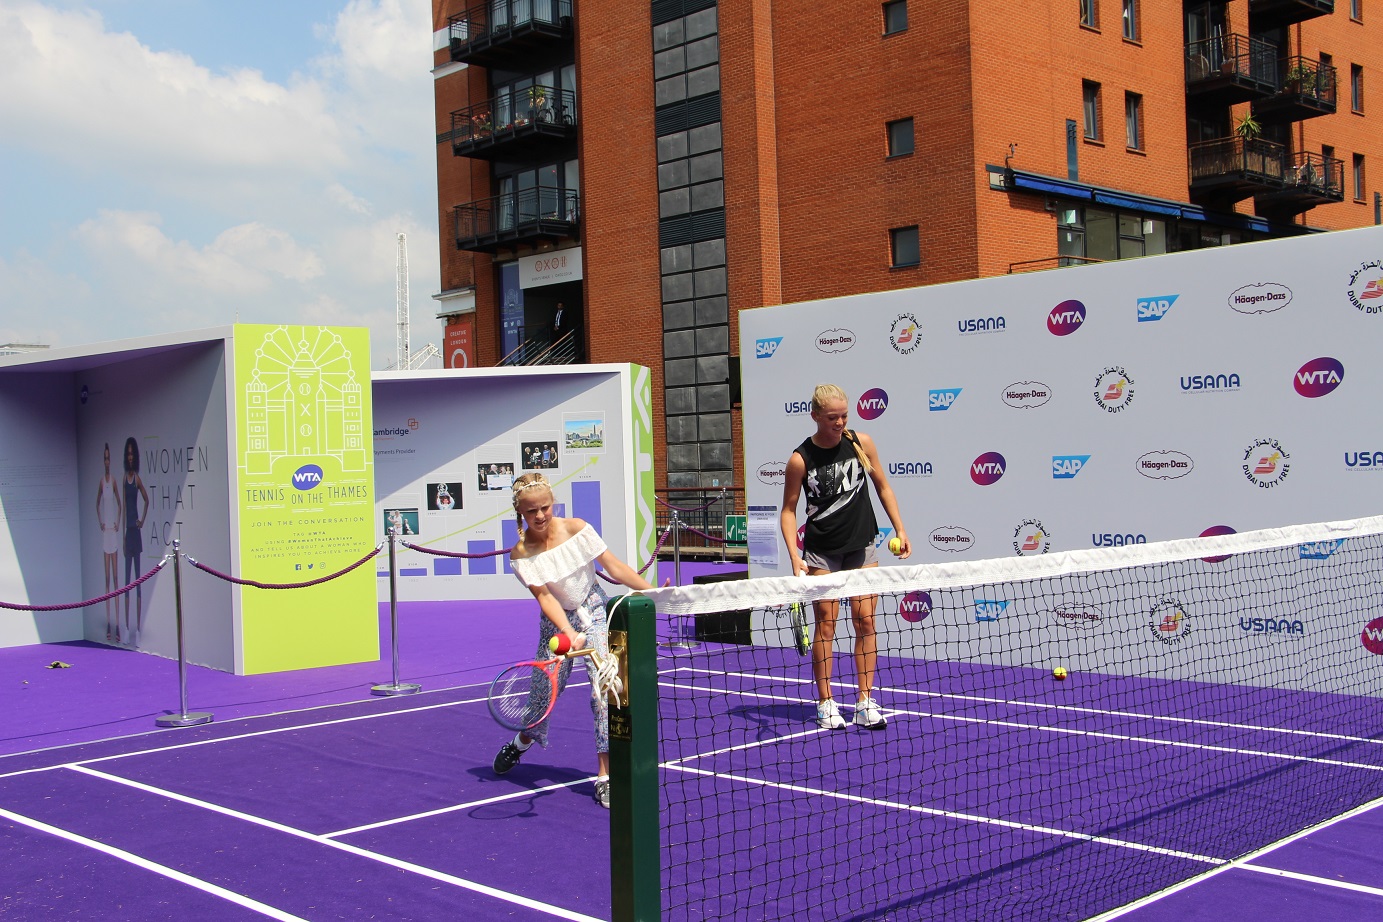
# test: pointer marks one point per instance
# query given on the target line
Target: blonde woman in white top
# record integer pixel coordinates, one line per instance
(555, 558)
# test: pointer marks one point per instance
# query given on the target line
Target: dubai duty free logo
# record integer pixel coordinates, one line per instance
(1168, 622)
(1113, 389)
(904, 335)
(1266, 463)
(1031, 538)
(1365, 290)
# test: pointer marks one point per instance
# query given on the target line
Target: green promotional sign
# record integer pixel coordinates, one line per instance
(737, 529)
(305, 494)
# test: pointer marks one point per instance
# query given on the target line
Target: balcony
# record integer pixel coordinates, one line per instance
(506, 31)
(529, 125)
(1050, 262)
(1236, 168)
(538, 347)
(1270, 14)
(1311, 180)
(1308, 90)
(1231, 69)
(530, 216)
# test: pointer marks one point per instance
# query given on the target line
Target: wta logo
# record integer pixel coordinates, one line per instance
(1066, 318)
(1318, 377)
(872, 403)
(988, 468)
(915, 606)
(1373, 636)
(307, 477)
(1215, 531)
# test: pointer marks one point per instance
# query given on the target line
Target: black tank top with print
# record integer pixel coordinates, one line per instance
(840, 517)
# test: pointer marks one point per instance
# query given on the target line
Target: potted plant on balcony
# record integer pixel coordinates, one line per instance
(1300, 77)
(481, 125)
(1248, 127)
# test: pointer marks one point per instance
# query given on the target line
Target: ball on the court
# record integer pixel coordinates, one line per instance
(895, 546)
(1059, 673)
(559, 644)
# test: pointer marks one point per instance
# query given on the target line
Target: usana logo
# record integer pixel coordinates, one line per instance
(1266, 463)
(1365, 289)
(1031, 538)
(904, 335)
(1115, 539)
(1271, 626)
(1113, 389)
(910, 469)
(1165, 465)
(981, 325)
(1168, 622)
(1260, 298)
(1210, 383)
(1027, 395)
(1318, 377)
(1364, 460)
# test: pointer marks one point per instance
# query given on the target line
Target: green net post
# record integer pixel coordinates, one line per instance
(635, 879)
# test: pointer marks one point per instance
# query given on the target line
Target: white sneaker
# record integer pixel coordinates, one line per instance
(828, 715)
(867, 715)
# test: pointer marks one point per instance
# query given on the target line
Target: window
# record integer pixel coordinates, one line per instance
(895, 16)
(1086, 234)
(1091, 95)
(900, 137)
(1356, 87)
(1131, 20)
(904, 245)
(1090, 13)
(1358, 177)
(1356, 10)
(1133, 120)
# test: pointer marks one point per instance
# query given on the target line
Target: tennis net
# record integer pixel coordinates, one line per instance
(1221, 695)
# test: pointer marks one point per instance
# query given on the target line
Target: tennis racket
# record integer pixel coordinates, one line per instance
(523, 695)
(799, 626)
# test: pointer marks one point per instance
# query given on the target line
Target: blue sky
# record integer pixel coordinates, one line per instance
(170, 165)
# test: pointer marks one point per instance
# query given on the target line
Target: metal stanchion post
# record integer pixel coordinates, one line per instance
(395, 688)
(182, 718)
(686, 634)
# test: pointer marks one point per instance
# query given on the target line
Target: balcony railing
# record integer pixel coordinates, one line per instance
(1231, 68)
(1308, 90)
(537, 119)
(1050, 262)
(505, 30)
(527, 216)
(1312, 179)
(1270, 14)
(1236, 168)
(539, 348)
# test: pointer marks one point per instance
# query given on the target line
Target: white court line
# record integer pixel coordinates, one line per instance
(516, 795)
(1312, 879)
(418, 869)
(949, 814)
(146, 864)
(1138, 715)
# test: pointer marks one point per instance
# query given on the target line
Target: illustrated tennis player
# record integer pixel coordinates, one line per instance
(835, 464)
(555, 558)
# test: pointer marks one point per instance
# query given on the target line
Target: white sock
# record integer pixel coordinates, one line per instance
(602, 777)
(518, 741)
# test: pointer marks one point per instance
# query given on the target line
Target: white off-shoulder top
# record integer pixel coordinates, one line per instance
(568, 569)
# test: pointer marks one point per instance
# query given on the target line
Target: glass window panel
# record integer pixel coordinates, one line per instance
(1101, 234)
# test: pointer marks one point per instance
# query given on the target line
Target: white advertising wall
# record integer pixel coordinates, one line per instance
(1208, 392)
(448, 445)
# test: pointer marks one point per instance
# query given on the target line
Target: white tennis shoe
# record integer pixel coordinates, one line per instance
(828, 715)
(867, 715)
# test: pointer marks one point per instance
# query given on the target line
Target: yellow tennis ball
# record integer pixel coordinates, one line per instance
(895, 546)
(1059, 672)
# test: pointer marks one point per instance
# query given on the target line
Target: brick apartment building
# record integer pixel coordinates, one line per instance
(656, 167)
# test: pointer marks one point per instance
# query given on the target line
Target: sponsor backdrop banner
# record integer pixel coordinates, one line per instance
(304, 494)
(1209, 392)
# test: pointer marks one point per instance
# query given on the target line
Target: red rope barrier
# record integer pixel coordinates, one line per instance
(15, 606)
(437, 552)
(258, 585)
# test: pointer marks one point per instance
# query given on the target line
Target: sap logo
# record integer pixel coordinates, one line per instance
(872, 403)
(942, 398)
(773, 472)
(1373, 636)
(1319, 377)
(307, 477)
(1066, 318)
(1271, 626)
(989, 609)
(1260, 298)
(1319, 550)
(1215, 531)
(952, 538)
(764, 348)
(834, 340)
(987, 468)
(1165, 465)
(1066, 467)
(1025, 395)
(915, 606)
(1229, 382)
(1373, 460)
(910, 469)
(1151, 309)
(1114, 539)
(980, 325)
(797, 407)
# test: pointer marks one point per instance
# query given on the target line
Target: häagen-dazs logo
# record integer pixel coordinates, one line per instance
(915, 606)
(952, 538)
(872, 403)
(1076, 614)
(773, 473)
(1168, 622)
(837, 340)
(1026, 395)
(1318, 377)
(1165, 465)
(1031, 537)
(307, 477)
(1365, 290)
(987, 468)
(1066, 318)
(1260, 298)
(1113, 389)
(1266, 463)
(904, 334)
